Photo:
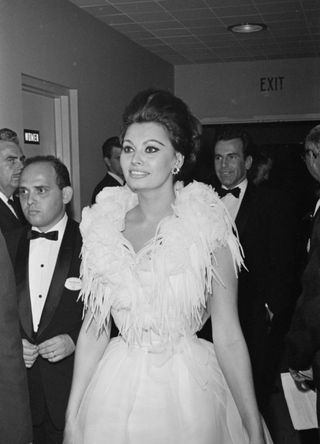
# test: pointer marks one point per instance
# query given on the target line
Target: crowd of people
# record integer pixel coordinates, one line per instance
(166, 315)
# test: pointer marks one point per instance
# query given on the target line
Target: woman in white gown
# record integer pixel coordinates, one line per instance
(160, 258)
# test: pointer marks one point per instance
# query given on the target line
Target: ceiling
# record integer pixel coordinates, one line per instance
(195, 31)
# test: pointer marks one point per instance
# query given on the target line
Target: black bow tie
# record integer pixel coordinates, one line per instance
(234, 191)
(51, 235)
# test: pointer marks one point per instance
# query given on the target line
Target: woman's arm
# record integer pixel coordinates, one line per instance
(89, 350)
(230, 346)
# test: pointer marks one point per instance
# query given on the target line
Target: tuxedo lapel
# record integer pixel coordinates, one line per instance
(59, 277)
(22, 280)
(6, 211)
(18, 210)
(8, 221)
(244, 210)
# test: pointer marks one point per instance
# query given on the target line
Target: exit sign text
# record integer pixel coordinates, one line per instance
(268, 84)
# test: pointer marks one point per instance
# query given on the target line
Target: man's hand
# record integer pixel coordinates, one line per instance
(302, 379)
(30, 353)
(57, 348)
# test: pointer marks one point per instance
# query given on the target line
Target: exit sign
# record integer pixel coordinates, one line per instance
(32, 136)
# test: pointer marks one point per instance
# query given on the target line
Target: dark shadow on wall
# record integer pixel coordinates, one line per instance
(283, 141)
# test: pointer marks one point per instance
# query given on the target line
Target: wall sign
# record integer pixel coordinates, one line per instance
(32, 136)
(268, 84)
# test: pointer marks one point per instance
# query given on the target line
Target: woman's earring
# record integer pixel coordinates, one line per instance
(175, 170)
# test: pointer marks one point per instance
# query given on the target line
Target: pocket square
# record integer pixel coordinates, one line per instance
(73, 283)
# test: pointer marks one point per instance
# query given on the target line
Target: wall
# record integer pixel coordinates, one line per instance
(38, 113)
(56, 41)
(250, 91)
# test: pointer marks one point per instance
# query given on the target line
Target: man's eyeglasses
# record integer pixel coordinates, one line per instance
(309, 154)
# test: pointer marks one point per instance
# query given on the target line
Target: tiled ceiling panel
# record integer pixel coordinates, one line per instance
(196, 31)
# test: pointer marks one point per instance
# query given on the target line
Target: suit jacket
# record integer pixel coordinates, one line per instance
(8, 221)
(266, 228)
(50, 383)
(15, 417)
(303, 339)
(107, 181)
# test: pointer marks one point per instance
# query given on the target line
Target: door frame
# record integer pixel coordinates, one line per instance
(260, 119)
(66, 128)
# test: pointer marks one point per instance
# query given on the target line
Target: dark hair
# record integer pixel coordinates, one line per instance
(62, 173)
(260, 159)
(233, 132)
(173, 114)
(8, 135)
(313, 137)
(109, 144)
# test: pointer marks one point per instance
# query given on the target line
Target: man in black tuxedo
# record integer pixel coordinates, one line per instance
(11, 164)
(303, 339)
(111, 150)
(266, 287)
(15, 418)
(47, 262)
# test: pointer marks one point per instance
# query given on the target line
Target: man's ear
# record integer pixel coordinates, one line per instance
(248, 162)
(67, 193)
(107, 162)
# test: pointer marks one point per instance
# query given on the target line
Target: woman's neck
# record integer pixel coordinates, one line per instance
(155, 206)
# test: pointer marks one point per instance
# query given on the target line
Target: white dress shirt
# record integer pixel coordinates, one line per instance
(316, 207)
(233, 203)
(43, 255)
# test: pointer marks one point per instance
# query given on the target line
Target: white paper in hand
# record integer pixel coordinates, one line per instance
(301, 405)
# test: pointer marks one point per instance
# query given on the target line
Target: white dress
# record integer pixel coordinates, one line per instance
(157, 383)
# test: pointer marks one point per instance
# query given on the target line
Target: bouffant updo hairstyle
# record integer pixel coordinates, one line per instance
(173, 114)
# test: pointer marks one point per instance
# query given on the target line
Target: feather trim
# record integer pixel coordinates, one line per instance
(164, 287)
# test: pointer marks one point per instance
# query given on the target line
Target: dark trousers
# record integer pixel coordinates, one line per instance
(309, 436)
(46, 432)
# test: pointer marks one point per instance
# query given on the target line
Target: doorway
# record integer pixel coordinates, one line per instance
(52, 111)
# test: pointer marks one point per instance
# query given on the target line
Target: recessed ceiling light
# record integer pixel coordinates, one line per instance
(245, 28)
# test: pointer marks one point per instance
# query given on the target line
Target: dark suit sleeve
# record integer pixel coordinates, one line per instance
(281, 244)
(301, 347)
(304, 336)
(97, 190)
(15, 420)
(75, 271)
(8, 221)
(103, 183)
(75, 333)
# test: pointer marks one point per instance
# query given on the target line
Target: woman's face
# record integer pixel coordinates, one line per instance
(148, 157)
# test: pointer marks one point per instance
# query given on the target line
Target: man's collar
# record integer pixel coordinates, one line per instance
(242, 185)
(118, 178)
(4, 197)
